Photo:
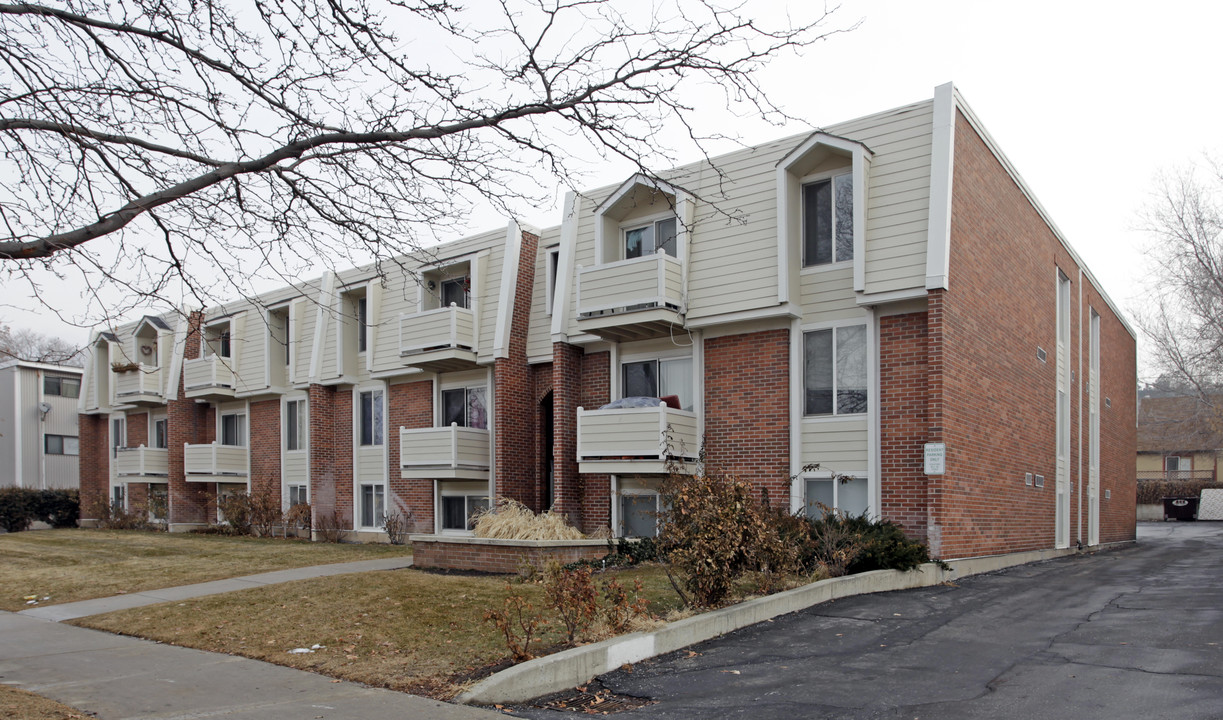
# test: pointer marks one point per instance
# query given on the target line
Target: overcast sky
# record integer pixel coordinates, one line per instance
(1089, 100)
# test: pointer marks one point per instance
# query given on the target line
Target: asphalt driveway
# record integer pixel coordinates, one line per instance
(1132, 633)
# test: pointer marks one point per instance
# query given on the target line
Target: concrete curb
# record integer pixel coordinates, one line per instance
(577, 666)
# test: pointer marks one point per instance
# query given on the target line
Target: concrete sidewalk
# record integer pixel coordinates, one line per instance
(71, 611)
(116, 677)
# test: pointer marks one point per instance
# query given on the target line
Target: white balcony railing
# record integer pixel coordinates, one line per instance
(654, 433)
(444, 451)
(144, 380)
(215, 459)
(652, 281)
(206, 373)
(142, 461)
(449, 327)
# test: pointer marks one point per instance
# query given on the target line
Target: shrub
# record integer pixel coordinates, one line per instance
(236, 510)
(298, 517)
(59, 508)
(265, 513)
(330, 527)
(1152, 492)
(619, 609)
(518, 622)
(846, 544)
(572, 594)
(396, 527)
(114, 517)
(17, 508)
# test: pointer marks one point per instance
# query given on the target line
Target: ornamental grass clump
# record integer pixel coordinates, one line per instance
(511, 520)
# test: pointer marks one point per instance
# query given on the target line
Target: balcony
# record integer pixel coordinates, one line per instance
(143, 463)
(635, 440)
(445, 453)
(208, 377)
(139, 386)
(215, 463)
(631, 299)
(1176, 475)
(439, 340)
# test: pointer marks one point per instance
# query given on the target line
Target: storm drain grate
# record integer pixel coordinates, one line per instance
(602, 702)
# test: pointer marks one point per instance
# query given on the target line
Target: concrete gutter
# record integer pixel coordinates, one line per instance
(577, 666)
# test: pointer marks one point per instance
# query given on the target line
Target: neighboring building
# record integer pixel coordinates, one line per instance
(39, 444)
(1179, 438)
(853, 298)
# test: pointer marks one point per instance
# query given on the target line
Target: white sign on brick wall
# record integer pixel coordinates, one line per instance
(936, 458)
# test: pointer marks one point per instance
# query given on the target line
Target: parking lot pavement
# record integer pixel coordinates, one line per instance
(1131, 633)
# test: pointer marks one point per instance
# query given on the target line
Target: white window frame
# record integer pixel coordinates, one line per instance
(379, 489)
(1179, 460)
(64, 444)
(640, 492)
(228, 343)
(117, 439)
(245, 427)
(650, 221)
(467, 388)
(552, 261)
(362, 320)
(821, 475)
(303, 424)
(118, 496)
(304, 490)
(378, 432)
(154, 421)
(868, 327)
(831, 176)
(450, 489)
(658, 359)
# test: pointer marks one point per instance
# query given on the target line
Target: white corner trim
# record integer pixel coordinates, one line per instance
(320, 324)
(507, 291)
(783, 236)
(176, 357)
(565, 267)
(942, 168)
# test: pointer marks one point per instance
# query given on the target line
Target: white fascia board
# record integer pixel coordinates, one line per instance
(565, 267)
(627, 186)
(972, 119)
(507, 291)
(942, 168)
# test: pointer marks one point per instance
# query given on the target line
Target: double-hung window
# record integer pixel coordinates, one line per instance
(659, 378)
(650, 238)
(372, 507)
(161, 433)
(299, 494)
(370, 417)
(295, 425)
(233, 429)
(465, 407)
(828, 220)
(834, 370)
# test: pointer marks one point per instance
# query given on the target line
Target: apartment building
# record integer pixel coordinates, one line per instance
(884, 299)
(38, 425)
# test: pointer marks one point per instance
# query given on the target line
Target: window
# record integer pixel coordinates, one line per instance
(161, 433)
(834, 371)
(159, 502)
(118, 435)
(61, 386)
(848, 494)
(459, 511)
(1176, 463)
(456, 292)
(828, 221)
(659, 378)
(465, 407)
(370, 419)
(361, 325)
(649, 239)
(638, 514)
(233, 429)
(299, 495)
(295, 425)
(61, 444)
(118, 497)
(372, 512)
(554, 263)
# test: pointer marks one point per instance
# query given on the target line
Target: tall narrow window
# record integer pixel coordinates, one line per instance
(465, 407)
(554, 262)
(361, 324)
(161, 433)
(295, 425)
(233, 429)
(834, 369)
(372, 510)
(643, 240)
(223, 344)
(371, 415)
(118, 435)
(118, 497)
(828, 221)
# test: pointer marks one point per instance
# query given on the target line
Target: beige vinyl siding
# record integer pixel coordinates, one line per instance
(488, 276)
(63, 471)
(331, 329)
(27, 414)
(371, 464)
(401, 295)
(828, 295)
(304, 316)
(8, 446)
(837, 445)
(539, 331)
(296, 466)
(252, 350)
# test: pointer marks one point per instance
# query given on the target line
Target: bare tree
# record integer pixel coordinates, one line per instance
(1183, 315)
(147, 144)
(32, 346)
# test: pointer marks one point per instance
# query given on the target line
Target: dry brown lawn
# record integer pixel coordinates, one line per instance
(69, 565)
(16, 703)
(407, 630)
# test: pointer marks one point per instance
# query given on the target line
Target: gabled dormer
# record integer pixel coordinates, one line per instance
(637, 287)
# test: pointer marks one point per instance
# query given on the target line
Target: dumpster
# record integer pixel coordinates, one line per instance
(1180, 508)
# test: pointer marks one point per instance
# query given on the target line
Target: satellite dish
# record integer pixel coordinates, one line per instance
(44, 408)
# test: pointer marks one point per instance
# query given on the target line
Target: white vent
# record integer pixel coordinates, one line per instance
(1027, 478)
(1040, 481)
(1041, 355)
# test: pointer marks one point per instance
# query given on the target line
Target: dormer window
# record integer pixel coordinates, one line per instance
(362, 325)
(828, 220)
(217, 340)
(648, 239)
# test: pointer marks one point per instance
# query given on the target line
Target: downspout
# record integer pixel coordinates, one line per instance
(1079, 378)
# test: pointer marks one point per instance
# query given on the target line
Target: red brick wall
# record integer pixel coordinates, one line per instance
(94, 464)
(410, 405)
(503, 559)
(541, 378)
(566, 388)
(138, 429)
(516, 420)
(265, 447)
(596, 489)
(998, 401)
(189, 422)
(331, 453)
(747, 409)
(903, 368)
